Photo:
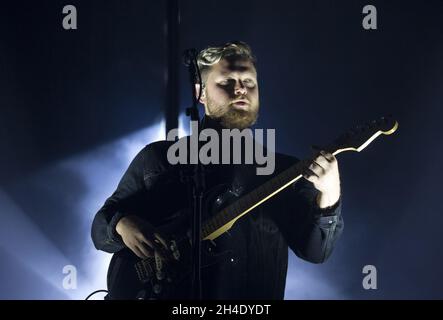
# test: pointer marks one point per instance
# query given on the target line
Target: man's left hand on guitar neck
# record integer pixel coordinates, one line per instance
(323, 172)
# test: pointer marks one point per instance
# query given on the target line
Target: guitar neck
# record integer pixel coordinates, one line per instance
(355, 140)
(224, 219)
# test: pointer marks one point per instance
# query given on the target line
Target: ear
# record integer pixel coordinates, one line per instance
(197, 91)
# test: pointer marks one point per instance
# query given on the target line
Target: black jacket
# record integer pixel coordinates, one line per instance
(257, 267)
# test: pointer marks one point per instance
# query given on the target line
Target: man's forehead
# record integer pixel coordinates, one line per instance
(229, 65)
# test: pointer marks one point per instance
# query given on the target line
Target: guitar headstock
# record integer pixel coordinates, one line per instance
(361, 136)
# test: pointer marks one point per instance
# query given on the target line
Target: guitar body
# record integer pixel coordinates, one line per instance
(130, 277)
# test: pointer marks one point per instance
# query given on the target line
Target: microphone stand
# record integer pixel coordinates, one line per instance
(195, 180)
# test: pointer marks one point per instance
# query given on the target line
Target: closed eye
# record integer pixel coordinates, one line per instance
(249, 83)
(227, 83)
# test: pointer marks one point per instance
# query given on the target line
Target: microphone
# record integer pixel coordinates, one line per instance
(189, 56)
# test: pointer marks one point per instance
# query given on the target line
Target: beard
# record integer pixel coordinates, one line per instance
(231, 118)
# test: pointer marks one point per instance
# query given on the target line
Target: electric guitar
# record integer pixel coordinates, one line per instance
(226, 208)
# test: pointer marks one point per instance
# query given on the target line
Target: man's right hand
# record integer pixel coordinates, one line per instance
(141, 238)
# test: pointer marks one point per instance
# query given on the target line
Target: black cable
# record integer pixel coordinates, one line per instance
(96, 291)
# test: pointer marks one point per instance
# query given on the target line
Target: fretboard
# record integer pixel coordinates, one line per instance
(224, 219)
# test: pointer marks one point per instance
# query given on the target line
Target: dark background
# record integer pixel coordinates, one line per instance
(76, 105)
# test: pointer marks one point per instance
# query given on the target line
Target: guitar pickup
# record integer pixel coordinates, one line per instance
(144, 270)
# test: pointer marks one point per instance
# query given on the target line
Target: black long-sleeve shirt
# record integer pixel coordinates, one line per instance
(258, 242)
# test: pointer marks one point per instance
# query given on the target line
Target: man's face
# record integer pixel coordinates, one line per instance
(231, 93)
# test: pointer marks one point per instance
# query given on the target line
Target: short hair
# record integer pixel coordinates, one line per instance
(212, 55)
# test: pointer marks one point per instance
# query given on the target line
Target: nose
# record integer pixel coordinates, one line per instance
(240, 89)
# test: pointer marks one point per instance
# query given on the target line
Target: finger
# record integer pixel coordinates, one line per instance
(328, 156)
(138, 253)
(162, 240)
(153, 243)
(147, 252)
(309, 175)
(317, 169)
(322, 162)
(313, 179)
(156, 245)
